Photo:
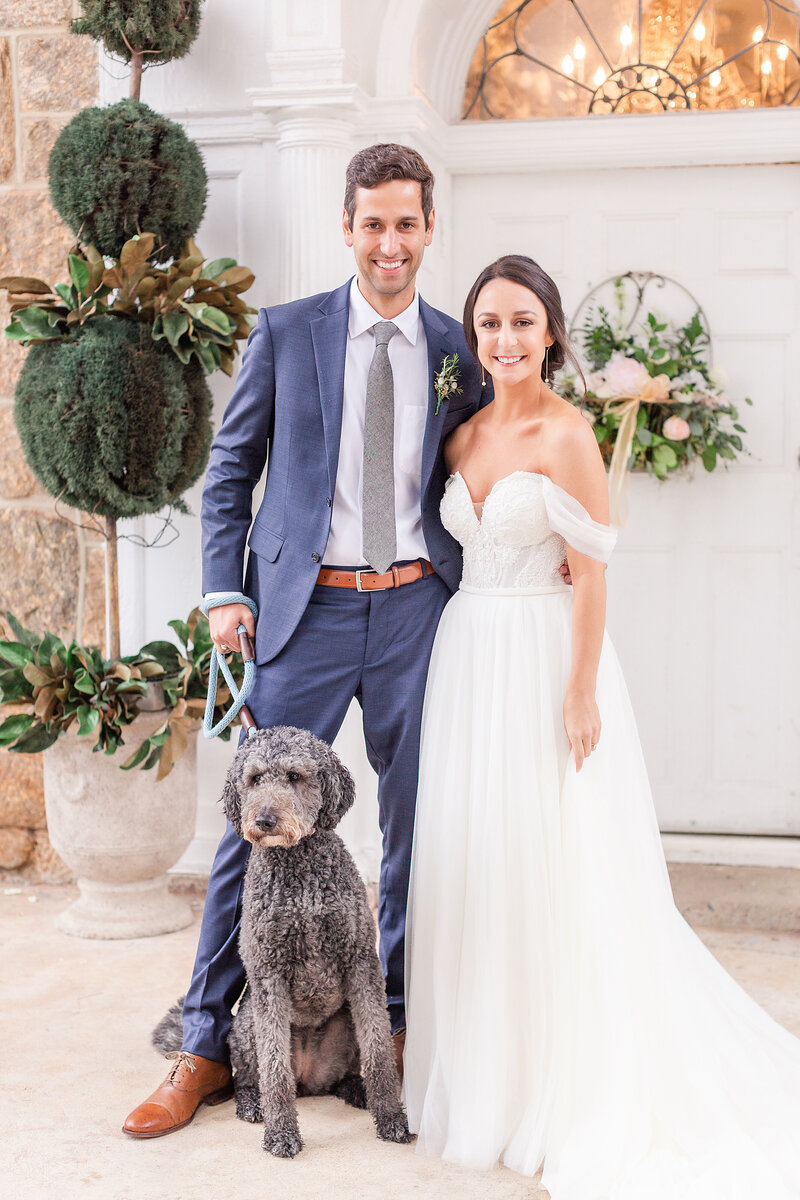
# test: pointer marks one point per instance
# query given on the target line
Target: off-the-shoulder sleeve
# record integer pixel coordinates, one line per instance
(568, 517)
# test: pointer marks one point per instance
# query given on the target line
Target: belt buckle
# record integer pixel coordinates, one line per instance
(361, 571)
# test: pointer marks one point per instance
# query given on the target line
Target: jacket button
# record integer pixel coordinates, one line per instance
(315, 556)
(328, 501)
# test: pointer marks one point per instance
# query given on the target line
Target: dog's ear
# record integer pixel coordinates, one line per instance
(231, 802)
(337, 788)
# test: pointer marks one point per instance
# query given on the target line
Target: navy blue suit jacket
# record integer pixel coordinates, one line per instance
(287, 406)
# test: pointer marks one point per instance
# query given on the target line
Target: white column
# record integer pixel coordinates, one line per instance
(313, 150)
(314, 109)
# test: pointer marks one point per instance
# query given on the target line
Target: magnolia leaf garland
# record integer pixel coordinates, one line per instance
(74, 686)
(193, 305)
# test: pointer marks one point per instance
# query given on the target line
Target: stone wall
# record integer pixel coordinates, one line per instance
(52, 569)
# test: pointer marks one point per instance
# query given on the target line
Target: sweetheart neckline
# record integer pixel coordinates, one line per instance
(573, 515)
(496, 484)
(478, 517)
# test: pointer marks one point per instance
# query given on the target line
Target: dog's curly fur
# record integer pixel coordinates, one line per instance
(313, 1019)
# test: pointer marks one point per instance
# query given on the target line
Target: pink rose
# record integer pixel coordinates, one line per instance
(676, 429)
(625, 376)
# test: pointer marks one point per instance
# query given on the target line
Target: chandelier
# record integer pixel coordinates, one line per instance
(553, 58)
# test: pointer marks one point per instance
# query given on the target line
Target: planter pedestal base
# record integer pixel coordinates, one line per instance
(120, 832)
(145, 908)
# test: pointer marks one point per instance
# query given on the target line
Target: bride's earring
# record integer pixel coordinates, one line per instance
(483, 376)
(547, 365)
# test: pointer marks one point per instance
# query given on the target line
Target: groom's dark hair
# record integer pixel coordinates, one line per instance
(381, 164)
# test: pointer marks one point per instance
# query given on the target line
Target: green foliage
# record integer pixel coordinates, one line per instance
(664, 350)
(117, 171)
(62, 686)
(192, 306)
(163, 29)
(446, 380)
(111, 422)
(676, 358)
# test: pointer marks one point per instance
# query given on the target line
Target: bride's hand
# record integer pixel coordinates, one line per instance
(582, 723)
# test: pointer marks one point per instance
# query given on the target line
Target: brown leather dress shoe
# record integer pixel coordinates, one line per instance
(191, 1082)
(399, 1045)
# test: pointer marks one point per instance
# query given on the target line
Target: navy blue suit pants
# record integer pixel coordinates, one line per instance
(374, 647)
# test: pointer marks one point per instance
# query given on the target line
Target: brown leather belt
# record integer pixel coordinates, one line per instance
(370, 581)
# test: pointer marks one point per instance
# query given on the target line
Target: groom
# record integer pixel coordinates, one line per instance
(349, 563)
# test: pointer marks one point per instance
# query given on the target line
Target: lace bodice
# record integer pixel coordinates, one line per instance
(519, 540)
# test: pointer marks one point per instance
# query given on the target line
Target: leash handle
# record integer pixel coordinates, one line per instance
(218, 663)
(248, 657)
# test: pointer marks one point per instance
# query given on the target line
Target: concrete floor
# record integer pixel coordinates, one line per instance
(76, 1057)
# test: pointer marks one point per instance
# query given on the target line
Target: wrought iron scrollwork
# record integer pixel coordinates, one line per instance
(633, 286)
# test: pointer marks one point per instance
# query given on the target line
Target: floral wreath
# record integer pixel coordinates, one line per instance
(655, 400)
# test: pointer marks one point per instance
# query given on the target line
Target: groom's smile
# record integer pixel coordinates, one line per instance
(388, 237)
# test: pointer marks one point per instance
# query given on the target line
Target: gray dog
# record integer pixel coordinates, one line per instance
(313, 1019)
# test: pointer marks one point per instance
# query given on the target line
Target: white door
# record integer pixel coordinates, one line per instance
(704, 588)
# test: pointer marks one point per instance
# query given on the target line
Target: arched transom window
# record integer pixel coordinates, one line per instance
(559, 58)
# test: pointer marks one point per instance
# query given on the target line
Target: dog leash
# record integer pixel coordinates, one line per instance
(218, 663)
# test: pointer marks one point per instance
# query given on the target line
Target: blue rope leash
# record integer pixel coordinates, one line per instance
(218, 663)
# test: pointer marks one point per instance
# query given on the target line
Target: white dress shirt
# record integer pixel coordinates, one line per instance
(408, 355)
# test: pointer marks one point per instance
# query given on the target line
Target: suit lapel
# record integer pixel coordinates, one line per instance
(439, 347)
(329, 337)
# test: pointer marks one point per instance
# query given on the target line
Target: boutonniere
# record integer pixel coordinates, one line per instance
(445, 381)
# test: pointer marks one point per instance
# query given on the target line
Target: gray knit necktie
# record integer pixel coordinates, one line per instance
(379, 535)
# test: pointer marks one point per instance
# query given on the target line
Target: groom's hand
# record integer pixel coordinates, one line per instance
(224, 620)
(564, 572)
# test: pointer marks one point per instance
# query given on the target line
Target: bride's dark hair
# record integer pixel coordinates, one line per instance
(518, 268)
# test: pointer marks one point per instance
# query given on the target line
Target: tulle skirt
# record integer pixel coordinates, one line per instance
(561, 1014)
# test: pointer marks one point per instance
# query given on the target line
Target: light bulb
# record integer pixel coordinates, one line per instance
(699, 31)
(578, 50)
(567, 65)
(782, 51)
(715, 79)
(626, 35)
(758, 33)
(599, 77)
(766, 66)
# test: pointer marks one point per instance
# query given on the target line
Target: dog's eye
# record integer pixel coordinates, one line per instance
(256, 778)
(292, 776)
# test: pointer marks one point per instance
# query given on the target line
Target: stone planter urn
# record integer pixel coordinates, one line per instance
(120, 831)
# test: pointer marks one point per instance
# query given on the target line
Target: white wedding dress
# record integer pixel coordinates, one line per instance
(561, 1014)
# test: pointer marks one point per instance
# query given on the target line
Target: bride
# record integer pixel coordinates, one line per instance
(562, 1016)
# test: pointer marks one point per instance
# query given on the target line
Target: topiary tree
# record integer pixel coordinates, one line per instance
(133, 30)
(152, 179)
(112, 406)
(111, 422)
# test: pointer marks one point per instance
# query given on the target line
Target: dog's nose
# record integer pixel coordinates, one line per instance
(266, 820)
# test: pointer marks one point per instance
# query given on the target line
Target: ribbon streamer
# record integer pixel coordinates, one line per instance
(626, 409)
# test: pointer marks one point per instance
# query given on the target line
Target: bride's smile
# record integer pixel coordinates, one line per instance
(512, 333)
